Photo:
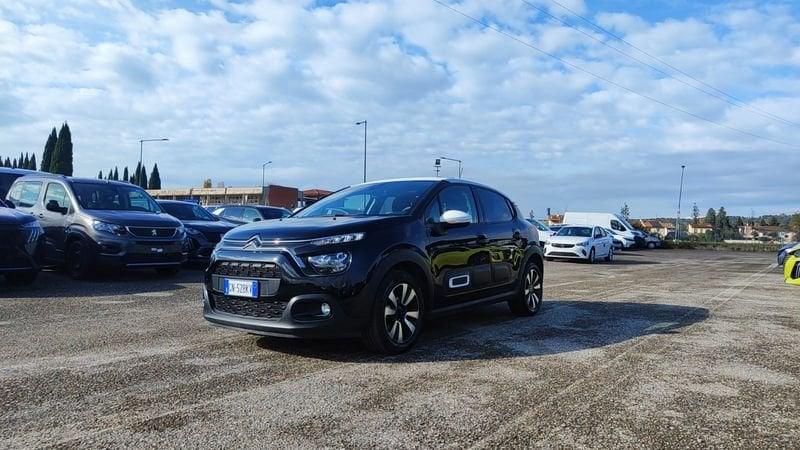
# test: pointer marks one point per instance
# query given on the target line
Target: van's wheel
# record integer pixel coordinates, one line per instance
(397, 316)
(22, 278)
(590, 258)
(79, 262)
(529, 299)
(168, 271)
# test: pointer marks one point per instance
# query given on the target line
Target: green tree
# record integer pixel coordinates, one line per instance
(772, 221)
(135, 175)
(207, 183)
(21, 162)
(711, 217)
(125, 177)
(8, 162)
(143, 177)
(695, 214)
(32, 164)
(100, 175)
(794, 222)
(722, 222)
(14, 163)
(116, 174)
(26, 162)
(155, 178)
(739, 222)
(49, 148)
(62, 156)
(625, 211)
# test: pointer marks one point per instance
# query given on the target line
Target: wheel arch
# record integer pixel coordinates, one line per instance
(411, 261)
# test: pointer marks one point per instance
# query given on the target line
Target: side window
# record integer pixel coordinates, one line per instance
(25, 194)
(458, 198)
(138, 201)
(617, 226)
(250, 215)
(495, 206)
(433, 213)
(56, 193)
(233, 212)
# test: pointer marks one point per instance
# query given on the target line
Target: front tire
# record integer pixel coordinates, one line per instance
(529, 300)
(610, 256)
(590, 258)
(397, 315)
(79, 262)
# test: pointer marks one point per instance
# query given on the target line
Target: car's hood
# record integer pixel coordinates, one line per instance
(566, 239)
(10, 216)
(221, 226)
(310, 227)
(134, 218)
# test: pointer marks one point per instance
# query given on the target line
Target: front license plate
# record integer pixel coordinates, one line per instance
(240, 288)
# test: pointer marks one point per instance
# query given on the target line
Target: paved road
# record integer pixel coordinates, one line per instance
(659, 349)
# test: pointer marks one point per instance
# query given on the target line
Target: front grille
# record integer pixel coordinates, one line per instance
(563, 245)
(249, 308)
(562, 254)
(153, 232)
(212, 236)
(247, 269)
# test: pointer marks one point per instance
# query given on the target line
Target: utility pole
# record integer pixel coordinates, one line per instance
(364, 122)
(678, 218)
(263, 180)
(141, 148)
(454, 160)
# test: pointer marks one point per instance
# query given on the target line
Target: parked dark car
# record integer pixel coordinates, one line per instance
(782, 252)
(91, 223)
(21, 246)
(241, 214)
(204, 230)
(7, 177)
(376, 260)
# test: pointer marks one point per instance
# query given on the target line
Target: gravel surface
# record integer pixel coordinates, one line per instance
(659, 349)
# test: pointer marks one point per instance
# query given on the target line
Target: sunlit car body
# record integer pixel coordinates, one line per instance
(791, 266)
(242, 214)
(619, 241)
(203, 229)
(783, 250)
(544, 231)
(586, 243)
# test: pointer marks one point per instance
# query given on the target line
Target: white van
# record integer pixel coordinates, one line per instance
(613, 222)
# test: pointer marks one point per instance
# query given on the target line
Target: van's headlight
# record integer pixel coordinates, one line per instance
(330, 263)
(110, 228)
(340, 239)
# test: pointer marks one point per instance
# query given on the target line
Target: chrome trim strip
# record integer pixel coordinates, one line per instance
(174, 231)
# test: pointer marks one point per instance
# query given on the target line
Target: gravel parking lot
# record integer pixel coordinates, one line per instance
(659, 349)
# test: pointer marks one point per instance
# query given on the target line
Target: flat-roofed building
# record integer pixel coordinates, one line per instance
(275, 195)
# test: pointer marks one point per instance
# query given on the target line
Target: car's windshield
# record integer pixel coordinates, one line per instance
(575, 231)
(378, 199)
(188, 211)
(539, 226)
(113, 197)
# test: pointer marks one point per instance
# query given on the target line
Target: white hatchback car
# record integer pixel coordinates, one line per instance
(580, 242)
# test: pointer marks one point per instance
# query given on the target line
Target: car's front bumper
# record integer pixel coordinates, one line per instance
(289, 301)
(791, 270)
(141, 253)
(573, 252)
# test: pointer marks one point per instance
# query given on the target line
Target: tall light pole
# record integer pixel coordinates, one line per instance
(454, 160)
(678, 218)
(141, 147)
(364, 122)
(263, 179)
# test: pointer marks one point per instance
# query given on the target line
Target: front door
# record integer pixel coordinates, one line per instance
(54, 222)
(460, 261)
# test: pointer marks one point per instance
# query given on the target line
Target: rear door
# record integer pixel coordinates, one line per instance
(54, 222)
(499, 235)
(461, 265)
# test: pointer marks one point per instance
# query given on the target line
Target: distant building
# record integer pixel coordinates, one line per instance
(700, 228)
(311, 196)
(287, 197)
(555, 219)
(769, 232)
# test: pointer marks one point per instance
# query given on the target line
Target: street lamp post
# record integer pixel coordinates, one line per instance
(364, 122)
(141, 148)
(454, 160)
(263, 179)
(678, 218)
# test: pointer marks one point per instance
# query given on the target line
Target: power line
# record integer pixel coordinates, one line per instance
(741, 103)
(614, 83)
(657, 69)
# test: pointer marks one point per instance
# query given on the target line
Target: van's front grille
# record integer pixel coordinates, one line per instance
(249, 307)
(153, 232)
(247, 269)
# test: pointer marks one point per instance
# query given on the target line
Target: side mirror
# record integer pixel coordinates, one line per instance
(598, 236)
(454, 218)
(53, 206)
(257, 219)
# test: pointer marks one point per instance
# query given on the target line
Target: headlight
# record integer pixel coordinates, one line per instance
(582, 244)
(330, 263)
(340, 239)
(110, 228)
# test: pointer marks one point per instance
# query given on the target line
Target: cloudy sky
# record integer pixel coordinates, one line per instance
(236, 83)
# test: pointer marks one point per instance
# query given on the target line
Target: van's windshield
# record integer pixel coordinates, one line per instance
(113, 197)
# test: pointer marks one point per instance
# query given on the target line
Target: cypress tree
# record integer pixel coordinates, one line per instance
(155, 178)
(26, 161)
(135, 174)
(116, 174)
(20, 162)
(100, 175)
(8, 162)
(49, 148)
(62, 156)
(14, 163)
(110, 175)
(32, 164)
(143, 178)
(125, 174)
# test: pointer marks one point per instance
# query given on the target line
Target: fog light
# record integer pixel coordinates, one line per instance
(325, 309)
